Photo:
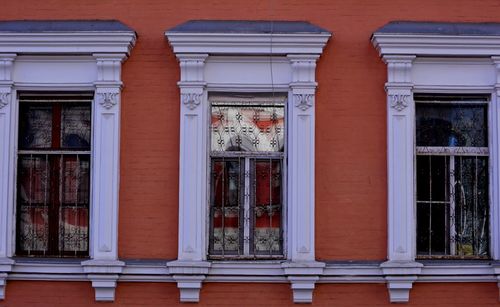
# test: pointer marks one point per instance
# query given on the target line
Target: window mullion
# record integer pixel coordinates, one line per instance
(246, 209)
(453, 231)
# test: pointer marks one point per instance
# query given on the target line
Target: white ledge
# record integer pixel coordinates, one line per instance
(144, 270)
(247, 43)
(436, 45)
(67, 42)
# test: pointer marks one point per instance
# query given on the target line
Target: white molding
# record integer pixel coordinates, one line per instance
(146, 270)
(440, 71)
(247, 43)
(91, 61)
(400, 151)
(6, 155)
(214, 62)
(436, 45)
(6, 167)
(67, 42)
(189, 275)
(400, 276)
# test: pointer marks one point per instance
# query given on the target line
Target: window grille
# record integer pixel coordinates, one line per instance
(53, 175)
(452, 177)
(246, 182)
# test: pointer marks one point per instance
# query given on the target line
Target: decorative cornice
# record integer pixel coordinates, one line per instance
(399, 102)
(4, 99)
(67, 42)
(303, 101)
(436, 45)
(108, 100)
(247, 43)
(191, 100)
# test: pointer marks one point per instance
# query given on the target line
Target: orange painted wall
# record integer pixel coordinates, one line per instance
(351, 139)
(350, 143)
(79, 294)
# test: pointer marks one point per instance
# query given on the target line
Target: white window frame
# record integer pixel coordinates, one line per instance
(212, 62)
(52, 61)
(431, 63)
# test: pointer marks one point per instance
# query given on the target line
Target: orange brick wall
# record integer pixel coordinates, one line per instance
(79, 294)
(350, 143)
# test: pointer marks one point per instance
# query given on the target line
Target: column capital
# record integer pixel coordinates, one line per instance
(303, 70)
(192, 68)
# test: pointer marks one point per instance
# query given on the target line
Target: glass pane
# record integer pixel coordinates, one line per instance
(433, 178)
(432, 229)
(267, 210)
(35, 126)
(33, 178)
(451, 125)
(227, 178)
(33, 229)
(471, 212)
(247, 128)
(74, 229)
(76, 183)
(76, 126)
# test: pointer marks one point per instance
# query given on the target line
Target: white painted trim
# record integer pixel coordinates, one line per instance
(211, 62)
(443, 59)
(67, 42)
(247, 43)
(252, 271)
(99, 55)
(436, 45)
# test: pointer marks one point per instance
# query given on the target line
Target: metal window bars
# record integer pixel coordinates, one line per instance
(53, 175)
(452, 178)
(246, 182)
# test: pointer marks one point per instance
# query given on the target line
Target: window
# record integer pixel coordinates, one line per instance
(442, 148)
(53, 175)
(239, 151)
(452, 177)
(59, 177)
(247, 167)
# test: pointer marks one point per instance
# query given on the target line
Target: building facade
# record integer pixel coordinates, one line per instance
(235, 153)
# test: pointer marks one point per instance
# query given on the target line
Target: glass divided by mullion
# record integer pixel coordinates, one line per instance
(267, 207)
(35, 126)
(75, 130)
(452, 125)
(226, 208)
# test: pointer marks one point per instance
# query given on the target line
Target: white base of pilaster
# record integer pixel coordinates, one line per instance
(3, 283)
(5, 267)
(189, 276)
(103, 274)
(303, 277)
(496, 269)
(400, 276)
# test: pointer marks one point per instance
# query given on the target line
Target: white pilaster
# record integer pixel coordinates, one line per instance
(190, 268)
(6, 166)
(494, 114)
(400, 270)
(104, 266)
(302, 270)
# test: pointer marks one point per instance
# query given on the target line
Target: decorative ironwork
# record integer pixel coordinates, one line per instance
(247, 128)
